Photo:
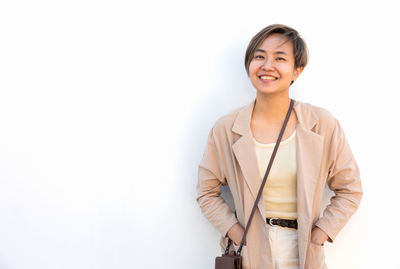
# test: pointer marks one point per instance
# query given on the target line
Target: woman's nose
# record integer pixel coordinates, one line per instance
(268, 64)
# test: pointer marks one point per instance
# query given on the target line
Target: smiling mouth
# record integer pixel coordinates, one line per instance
(270, 78)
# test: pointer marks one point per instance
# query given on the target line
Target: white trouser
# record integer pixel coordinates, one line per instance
(284, 247)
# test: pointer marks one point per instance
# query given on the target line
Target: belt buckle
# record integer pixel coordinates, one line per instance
(270, 221)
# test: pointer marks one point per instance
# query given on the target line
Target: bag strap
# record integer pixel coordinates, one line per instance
(266, 174)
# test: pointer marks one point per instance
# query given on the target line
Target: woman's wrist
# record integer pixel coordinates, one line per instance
(236, 233)
(318, 236)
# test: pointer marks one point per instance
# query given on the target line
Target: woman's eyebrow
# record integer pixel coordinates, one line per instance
(276, 52)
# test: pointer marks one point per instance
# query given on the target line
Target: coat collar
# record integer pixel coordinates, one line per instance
(309, 149)
(305, 116)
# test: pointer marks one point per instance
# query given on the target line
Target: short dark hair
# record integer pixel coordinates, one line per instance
(300, 50)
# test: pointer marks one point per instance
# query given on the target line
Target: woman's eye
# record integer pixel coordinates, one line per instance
(280, 59)
(258, 57)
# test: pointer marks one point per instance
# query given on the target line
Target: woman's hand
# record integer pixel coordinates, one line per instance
(318, 236)
(236, 234)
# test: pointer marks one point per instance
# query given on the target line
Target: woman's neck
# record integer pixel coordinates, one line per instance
(271, 109)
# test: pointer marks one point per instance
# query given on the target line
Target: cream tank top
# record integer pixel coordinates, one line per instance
(280, 190)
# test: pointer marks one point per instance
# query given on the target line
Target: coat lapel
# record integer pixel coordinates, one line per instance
(309, 147)
(244, 152)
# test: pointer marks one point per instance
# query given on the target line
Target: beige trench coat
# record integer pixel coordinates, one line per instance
(323, 156)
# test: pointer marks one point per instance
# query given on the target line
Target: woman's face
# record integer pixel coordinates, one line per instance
(272, 68)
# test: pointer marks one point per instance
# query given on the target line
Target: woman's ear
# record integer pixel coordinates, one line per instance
(297, 72)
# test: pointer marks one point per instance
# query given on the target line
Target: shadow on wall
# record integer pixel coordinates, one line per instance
(227, 196)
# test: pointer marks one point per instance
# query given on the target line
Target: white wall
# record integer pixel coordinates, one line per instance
(105, 108)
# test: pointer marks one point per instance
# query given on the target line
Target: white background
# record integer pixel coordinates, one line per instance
(105, 107)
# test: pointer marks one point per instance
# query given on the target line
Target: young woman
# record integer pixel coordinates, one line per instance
(287, 230)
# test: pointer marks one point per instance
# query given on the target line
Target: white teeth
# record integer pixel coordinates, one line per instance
(268, 77)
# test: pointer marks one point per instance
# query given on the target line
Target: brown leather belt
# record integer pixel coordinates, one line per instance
(282, 222)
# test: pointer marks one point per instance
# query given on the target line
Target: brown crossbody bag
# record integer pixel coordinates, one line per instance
(233, 259)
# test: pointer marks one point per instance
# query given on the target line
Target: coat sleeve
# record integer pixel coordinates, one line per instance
(344, 179)
(210, 179)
